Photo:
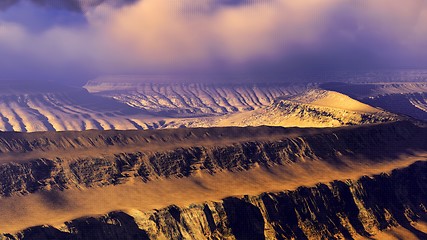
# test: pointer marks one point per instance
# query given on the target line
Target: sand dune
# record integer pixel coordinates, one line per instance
(152, 106)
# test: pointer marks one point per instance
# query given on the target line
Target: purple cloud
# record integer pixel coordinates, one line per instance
(153, 36)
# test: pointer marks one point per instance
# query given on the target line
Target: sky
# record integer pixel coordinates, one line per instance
(76, 40)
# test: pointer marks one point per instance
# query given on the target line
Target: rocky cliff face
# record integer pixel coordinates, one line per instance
(48, 166)
(336, 210)
(116, 157)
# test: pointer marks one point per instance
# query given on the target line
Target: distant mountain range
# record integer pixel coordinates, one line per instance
(135, 105)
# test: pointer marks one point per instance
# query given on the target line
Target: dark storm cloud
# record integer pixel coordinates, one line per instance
(211, 36)
(80, 5)
(7, 3)
(71, 5)
(237, 3)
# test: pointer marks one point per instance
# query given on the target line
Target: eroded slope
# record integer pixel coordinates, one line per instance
(50, 178)
(33, 162)
(280, 104)
(144, 105)
(60, 108)
(368, 208)
(189, 99)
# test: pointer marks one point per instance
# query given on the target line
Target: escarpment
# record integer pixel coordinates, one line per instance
(110, 105)
(186, 99)
(48, 179)
(143, 106)
(100, 159)
(116, 103)
(349, 209)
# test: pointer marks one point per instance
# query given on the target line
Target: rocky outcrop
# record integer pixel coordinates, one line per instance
(169, 155)
(115, 225)
(283, 111)
(336, 210)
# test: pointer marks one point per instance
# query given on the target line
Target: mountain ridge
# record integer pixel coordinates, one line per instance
(51, 186)
(358, 210)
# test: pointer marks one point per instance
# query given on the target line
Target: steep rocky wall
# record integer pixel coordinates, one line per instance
(16, 142)
(336, 210)
(373, 143)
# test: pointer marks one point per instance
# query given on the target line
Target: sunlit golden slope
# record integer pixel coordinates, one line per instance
(314, 108)
(153, 106)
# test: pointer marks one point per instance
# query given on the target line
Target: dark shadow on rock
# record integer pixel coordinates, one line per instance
(349, 207)
(245, 219)
(403, 189)
(45, 233)
(281, 212)
(116, 225)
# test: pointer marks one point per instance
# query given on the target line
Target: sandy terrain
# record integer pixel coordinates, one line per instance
(154, 106)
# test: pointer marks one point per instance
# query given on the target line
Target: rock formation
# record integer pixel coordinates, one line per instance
(335, 210)
(214, 183)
